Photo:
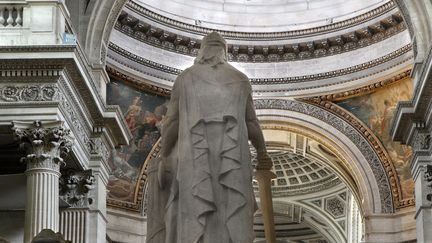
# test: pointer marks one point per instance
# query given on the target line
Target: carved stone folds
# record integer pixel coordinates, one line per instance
(75, 187)
(45, 144)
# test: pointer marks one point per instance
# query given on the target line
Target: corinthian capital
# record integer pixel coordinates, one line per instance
(75, 187)
(45, 143)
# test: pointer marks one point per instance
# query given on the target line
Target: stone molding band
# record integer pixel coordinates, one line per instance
(270, 81)
(161, 38)
(150, 15)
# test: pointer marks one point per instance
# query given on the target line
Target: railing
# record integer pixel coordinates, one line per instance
(11, 16)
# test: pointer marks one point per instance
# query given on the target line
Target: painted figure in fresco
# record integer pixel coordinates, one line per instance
(127, 162)
(205, 173)
(132, 114)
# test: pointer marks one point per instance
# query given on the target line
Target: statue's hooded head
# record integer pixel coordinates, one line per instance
(213, 50)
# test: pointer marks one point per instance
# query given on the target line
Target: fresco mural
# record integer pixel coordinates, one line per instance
(376, 110)
(143, 114)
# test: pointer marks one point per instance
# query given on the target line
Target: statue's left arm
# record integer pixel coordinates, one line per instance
(256, 136)
(170, 129)
(171, 123)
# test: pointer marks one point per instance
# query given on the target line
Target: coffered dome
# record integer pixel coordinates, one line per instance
(298, 174)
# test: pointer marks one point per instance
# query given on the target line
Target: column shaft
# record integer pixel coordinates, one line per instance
(42, 204)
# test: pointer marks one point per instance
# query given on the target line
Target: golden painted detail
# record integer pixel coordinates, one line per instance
(367, 89)
(142, 86)
(375, 143)
(137, 204)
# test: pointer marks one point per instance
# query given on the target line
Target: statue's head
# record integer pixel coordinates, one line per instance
(213, 50)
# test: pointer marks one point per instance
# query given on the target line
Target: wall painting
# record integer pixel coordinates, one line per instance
(143, 113)
(376, 110)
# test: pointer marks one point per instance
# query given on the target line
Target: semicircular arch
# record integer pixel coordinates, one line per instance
(361, 167)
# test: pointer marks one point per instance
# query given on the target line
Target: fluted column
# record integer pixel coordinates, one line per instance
(44, 144)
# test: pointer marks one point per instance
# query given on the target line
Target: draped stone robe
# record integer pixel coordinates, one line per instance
(211, 199)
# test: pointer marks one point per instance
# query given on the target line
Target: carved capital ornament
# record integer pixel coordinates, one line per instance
(45, 144)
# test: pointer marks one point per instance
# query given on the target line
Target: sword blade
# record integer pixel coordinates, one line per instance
(264, 178)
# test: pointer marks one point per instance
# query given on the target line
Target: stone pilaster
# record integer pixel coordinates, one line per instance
(422, 175)
(45, 144)
(98, 213)
(75, 189)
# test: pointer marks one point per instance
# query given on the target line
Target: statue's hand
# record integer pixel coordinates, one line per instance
(264, 162)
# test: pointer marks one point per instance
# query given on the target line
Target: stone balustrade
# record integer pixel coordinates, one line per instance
(33, 23)
(11, 16)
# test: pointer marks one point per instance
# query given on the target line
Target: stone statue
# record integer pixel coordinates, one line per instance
(49, 236)
(205, 171)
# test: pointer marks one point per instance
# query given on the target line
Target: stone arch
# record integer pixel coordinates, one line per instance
(93, 21)
(370, 182)
(101, 22)
(418, 18)
(332, 233)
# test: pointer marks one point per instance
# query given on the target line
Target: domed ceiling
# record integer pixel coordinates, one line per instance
(290, 48)
(298, 174)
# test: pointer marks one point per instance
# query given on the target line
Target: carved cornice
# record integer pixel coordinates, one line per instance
(195, 29)
(375, 143)
(38, 48)
(271, 81)
(417, 110)
(383, 170)
(161, 38)
(79, 87)
(145, 87)
(365, 89)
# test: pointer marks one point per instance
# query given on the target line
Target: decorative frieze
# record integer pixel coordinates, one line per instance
(75, 187)
(31, 92)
